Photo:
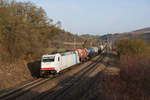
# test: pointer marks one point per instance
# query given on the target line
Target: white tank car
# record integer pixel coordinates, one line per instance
(52, 64)
(96, 49)
(102, 47)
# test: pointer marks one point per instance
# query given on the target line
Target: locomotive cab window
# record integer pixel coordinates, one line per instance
(49, 59)
(58, 59)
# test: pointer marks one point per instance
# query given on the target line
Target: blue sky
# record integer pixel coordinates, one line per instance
(97, 16)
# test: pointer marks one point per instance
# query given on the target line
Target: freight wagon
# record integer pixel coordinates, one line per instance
(95, 50)
(100, 49)
(91, 52)
(83, 54)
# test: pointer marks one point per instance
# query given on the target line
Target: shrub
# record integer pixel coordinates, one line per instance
(134, 67)
(134, 46)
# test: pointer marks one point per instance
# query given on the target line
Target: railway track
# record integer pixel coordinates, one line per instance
(25, 88)
(22, 89)
(69, 83)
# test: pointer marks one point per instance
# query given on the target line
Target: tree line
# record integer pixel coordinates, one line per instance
(25, 30)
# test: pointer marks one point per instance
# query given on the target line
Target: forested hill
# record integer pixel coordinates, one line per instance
(27, 32)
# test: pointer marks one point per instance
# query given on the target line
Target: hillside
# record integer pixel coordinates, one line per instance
(141, 33)
(144, 30)
(89, 36)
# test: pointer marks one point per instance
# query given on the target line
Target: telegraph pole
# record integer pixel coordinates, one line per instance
(107, 44)
(75, 41)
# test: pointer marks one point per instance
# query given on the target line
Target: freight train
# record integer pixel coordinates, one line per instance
(54, 63)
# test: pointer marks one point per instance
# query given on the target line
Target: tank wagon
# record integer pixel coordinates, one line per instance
(83, 54)
(100, 49)
(52, 64)
(93, 51)
(96, 50)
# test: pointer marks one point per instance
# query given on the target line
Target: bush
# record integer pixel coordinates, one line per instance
(134, 67)
(134, 46)
(135, 73)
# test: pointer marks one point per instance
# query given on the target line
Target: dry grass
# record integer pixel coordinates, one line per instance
(131, 82)
(13, 74)
(135, 73)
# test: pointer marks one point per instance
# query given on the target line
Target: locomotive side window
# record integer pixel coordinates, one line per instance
(58, 59)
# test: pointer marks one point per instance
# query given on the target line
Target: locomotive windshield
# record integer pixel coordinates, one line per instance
(49, 59)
